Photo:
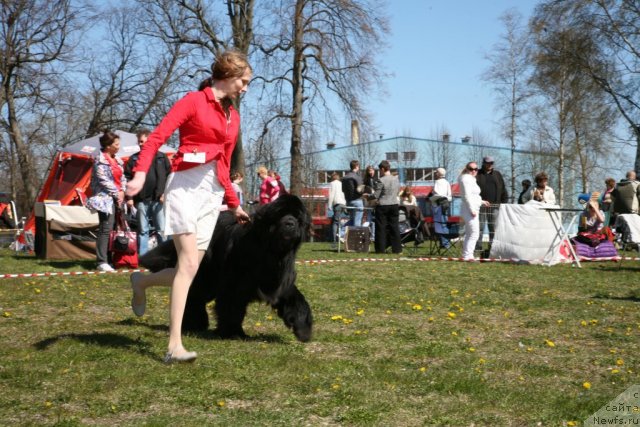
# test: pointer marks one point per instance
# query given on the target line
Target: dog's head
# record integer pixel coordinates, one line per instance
(285, 222)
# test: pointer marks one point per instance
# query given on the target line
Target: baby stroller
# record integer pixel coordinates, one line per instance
(412, 226)
(446, 232)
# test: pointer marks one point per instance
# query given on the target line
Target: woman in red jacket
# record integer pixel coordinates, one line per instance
(198, 184)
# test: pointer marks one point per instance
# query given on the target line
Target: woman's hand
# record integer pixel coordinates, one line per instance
(241, 216)
(135, 185)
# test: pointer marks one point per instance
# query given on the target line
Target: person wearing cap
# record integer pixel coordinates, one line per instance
(492, 190)
(526, 185)
(440, 200)
(387, 210)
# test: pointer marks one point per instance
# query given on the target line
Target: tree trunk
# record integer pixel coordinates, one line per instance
(25, 164)
(298, 100)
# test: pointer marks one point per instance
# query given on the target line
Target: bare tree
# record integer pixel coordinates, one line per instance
(36, 38)
(508, 73)
(324, 53)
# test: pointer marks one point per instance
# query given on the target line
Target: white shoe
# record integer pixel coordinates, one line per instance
(105, 267)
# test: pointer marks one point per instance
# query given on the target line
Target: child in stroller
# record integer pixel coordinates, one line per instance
(411, 225)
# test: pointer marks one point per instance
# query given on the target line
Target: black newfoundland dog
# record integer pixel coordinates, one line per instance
(245, 263)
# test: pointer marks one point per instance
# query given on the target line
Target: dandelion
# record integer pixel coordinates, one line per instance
(586, 385)
(336, 317)
(454, 333)
(48, 404)
(388, 312)
(560, 321)
(572, 423)
(472, 350)
(221, 403)
(619, 362)
(347, 321)
(583, 323)
(416, 307)
(37, 291)
(269, 317)
(482, 361)
(615, 371)
(335, 386)
(431, 319)
(423, 369)
(6, 314)
(451, 315)
(360, 312)
(549, 343)
(83, 293)
(258, 324)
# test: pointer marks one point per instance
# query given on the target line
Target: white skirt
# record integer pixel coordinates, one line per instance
(192, 202)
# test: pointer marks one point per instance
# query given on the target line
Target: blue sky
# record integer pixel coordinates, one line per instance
(436, 55)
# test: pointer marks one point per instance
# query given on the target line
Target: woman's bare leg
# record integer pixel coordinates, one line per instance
(189, 258)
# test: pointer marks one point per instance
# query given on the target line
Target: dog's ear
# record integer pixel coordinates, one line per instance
(162, 256)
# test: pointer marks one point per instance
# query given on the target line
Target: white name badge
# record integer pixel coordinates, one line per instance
(195, 157)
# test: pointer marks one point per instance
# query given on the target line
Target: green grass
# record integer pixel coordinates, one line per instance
(400, 343)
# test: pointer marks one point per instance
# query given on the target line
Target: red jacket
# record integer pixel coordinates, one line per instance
(203, 128)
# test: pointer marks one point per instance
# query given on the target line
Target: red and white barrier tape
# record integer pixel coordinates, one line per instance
(311, 262)
(67, 273)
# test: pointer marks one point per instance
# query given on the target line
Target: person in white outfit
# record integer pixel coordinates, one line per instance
(471, 202)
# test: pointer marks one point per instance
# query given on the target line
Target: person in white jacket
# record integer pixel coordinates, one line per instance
(337, 203)
(471, 202)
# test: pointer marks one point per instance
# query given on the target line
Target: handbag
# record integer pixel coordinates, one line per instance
(122, 240)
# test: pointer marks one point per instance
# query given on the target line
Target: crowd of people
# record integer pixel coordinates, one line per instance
(368, 199)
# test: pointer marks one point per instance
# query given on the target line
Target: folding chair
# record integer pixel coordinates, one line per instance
(446, 233)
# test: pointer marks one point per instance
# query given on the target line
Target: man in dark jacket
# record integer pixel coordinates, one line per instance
(492, 190)
(626, 195)
(352, 187)
(149, 201)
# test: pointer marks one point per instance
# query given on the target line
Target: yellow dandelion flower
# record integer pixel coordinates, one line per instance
(451, 315)
(388, 312)
(472, 350)
(347, 321)
(560, 321)
(83, 293)
(572, 423)
(336, 317)
(593, 321)
(221, 403)
(583, 323)
(269, 317)
(358, 332)
(37, 291)
(335, 386)
(460, 309)
(549, 343)
(423, 369)
(586, 385)
(48, 404)
(258, 324)
(506, 314)
(416, 307)
(431, 319)
(615, 371)
(529, 349)
(454, 333)
(6, 314)
(360, 312)
(619, 362)
(482, 361)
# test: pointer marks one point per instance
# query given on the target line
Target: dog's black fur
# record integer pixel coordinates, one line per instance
(245, 263)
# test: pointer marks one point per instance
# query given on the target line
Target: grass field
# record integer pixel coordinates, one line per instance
(396, 343)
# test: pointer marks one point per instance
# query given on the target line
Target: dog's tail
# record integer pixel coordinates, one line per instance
(162, 256)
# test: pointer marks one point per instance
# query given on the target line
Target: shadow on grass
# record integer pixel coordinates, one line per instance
(87, 264)
(209, 334)
(100, 339)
